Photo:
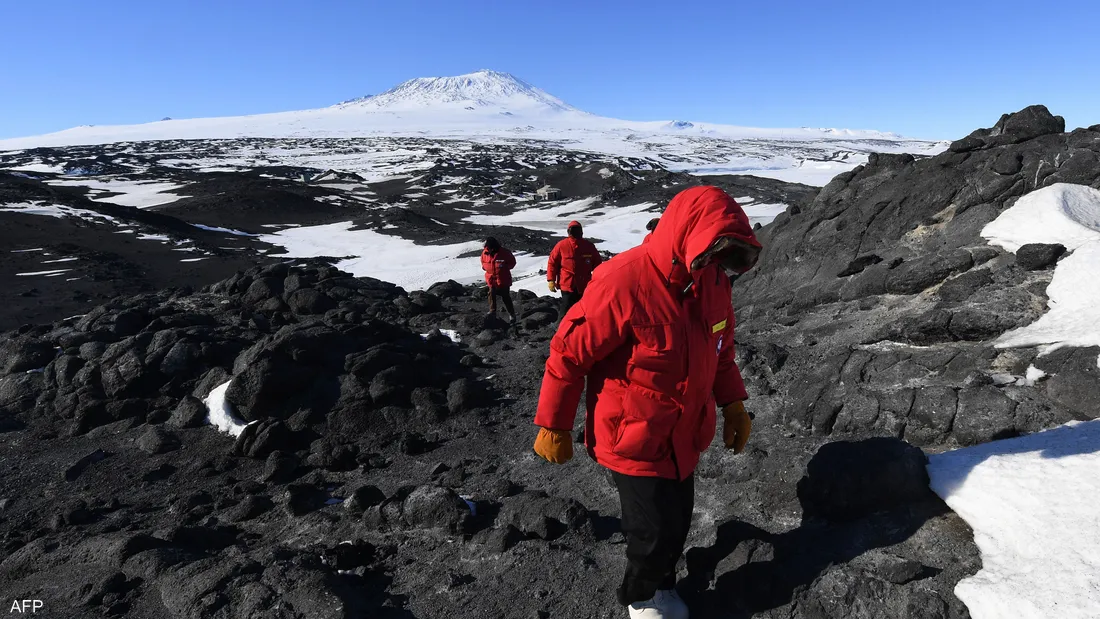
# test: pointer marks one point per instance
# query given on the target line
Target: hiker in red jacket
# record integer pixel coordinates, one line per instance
(654, 338)
(498, 262)
(569, 268)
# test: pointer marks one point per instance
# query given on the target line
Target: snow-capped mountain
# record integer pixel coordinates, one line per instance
(493, 107)
(482, 89)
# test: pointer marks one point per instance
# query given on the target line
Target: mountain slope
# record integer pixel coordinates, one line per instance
(491, 107)
(485, 88)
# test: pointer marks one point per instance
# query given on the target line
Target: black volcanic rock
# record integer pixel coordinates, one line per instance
(1035, 256)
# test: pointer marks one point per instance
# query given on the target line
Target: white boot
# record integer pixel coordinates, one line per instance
(666, 604)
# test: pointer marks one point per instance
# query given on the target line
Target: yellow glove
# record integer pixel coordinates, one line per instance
(737, 427)
(552, 286)
(554, 445)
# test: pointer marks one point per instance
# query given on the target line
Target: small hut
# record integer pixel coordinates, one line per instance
(546, 192)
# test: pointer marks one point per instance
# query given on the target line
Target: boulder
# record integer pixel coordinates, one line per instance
(259, 440)
(307, 301)
(22, 354)
(435, 507)
(156, 440)
(189, 413)
(464, 394)
(538, 514)
(984, 414)
(1037, 256)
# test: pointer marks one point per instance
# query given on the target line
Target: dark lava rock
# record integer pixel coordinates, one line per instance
(80, 465)
(250, 507)
(984, 414)
(299, 499)
(1036, 256)
(499, 540)
(964, 286)
(189, 413)
(913, 276)
(265, 387)
(157, 441)
(309, 301)
(362, 498)
(260, 439)
(435, 507)
(850, 480)
(447, 290)
(21, 354)
(859, 264)
(19, 391)
(280, 467)
(537, 514)
(464, 394)
(347, 556)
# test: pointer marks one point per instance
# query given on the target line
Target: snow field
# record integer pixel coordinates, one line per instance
(1032, 504)
(1070, 215)
(1031, 501)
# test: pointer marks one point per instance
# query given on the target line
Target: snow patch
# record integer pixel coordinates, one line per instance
(411, 266)
(450, 333)
(53, 210)
(220, 412)
(1070, 215)
(46, 273)
(225, 230)
(1029, 502)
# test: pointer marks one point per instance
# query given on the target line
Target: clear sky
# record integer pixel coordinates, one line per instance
(935, 69)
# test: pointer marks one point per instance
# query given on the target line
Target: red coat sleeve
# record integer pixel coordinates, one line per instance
(728, 384)
(553, 265)
(509, 260)
(486, 263)
(590, 332)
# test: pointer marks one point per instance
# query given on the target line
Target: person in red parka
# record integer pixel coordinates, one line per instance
(570, 266)
(653, 335)
(498, 262)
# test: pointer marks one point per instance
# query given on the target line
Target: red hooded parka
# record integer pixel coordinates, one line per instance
(656, 344)
(498, 267)
(571, 263)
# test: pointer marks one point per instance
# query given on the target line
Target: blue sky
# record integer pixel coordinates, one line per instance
(927, 69)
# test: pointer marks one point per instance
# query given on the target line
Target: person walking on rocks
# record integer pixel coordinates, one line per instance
(570, 266)
(653, 336)
(498, 262)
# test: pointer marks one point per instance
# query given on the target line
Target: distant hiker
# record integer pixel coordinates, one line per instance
(570, 267)
(653, 336)
(498, 262)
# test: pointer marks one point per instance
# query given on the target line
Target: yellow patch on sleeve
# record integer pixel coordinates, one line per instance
(718, 327)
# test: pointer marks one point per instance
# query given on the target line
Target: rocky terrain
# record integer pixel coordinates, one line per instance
(84, 224)
(386, 469)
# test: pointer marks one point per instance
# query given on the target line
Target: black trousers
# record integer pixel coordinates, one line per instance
(656, 517)
(505, 297)
(568, 300)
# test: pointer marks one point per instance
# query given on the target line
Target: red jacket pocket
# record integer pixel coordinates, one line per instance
(645, 429)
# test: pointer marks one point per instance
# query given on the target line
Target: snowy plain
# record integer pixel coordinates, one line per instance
(494, 107)
(366, 253)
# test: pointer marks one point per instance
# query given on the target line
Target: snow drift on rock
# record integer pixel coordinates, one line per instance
(221, 412)
(1029, 501)
(1070, 215)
